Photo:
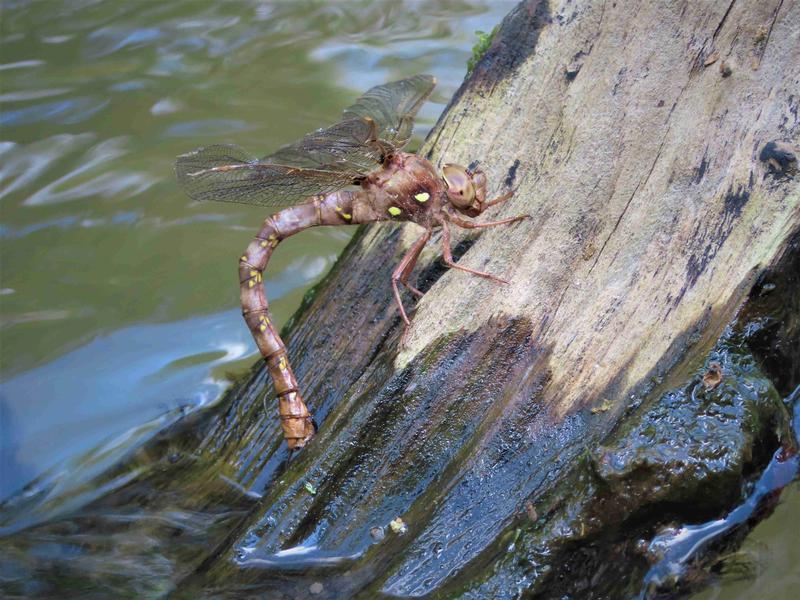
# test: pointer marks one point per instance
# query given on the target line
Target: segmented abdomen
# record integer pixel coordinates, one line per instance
(334, 209)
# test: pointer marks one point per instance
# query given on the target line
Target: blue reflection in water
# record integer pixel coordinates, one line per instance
(206, 127)
(109, 387)
(111, 39)
(66, 112)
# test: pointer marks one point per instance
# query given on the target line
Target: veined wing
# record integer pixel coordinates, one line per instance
(349, 146)
(393, 107)
(322, 162)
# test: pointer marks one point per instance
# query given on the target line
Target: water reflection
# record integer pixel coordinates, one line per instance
(109, 387)
(107, 183)
(62, 112)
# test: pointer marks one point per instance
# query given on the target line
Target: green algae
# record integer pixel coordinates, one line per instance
(480, 48)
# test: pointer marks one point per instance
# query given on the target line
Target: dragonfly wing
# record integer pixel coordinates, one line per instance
(323, 161)
(350, 147)
(393, 107)
(226, 173)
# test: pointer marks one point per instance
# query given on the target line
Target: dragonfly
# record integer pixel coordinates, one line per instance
(350, 173)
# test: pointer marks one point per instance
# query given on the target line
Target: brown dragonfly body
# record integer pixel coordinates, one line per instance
(363, 150)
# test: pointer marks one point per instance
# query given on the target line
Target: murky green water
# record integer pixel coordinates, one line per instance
(118, 296)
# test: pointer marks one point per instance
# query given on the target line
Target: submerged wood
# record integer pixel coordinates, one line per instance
(515, 435)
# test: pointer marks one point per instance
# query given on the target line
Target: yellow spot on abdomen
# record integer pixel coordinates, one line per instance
(282, 363)
(394, 211)
(422, 197)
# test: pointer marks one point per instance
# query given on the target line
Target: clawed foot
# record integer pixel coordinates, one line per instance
(404, 337)
(490, 277)
(507, 221)
(483, 274)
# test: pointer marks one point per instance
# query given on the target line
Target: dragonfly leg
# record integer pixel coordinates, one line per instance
(448, 256)
(402, 273)
(456, 220)
(499, 199)
(412, 289)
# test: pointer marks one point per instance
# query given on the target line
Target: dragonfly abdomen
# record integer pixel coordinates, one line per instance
(334, 209)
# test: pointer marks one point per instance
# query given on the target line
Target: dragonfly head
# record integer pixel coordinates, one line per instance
(466, 189)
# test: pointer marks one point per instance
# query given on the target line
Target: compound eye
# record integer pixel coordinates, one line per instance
(460, 188)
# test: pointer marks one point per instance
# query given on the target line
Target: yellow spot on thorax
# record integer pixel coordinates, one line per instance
(394, 211)
(422, 197)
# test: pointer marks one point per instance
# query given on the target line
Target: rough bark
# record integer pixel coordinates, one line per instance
(636, 135)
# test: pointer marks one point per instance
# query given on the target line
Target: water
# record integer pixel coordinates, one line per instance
(118, 296)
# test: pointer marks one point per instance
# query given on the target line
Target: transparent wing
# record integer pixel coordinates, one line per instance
(393, 107)
(323, 161)
(349, 147)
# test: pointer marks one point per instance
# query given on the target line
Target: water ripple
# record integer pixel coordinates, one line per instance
(21, 64)
(67, 112)
(108, 40)
(24, 95)
(27, 164)
(111, 183)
